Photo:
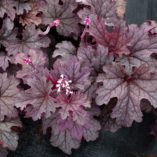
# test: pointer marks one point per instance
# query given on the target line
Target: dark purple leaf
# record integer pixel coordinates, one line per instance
(94, 58)
(65, 50)
(3, 152)
(101, 8)
(140, 44)
(6, 31)
(67, 134)
(31, 40)
(64, 13)
(38, 97)
(113, 38)
(6, 7)
(9, 138)
(4, 60)
(73, 71)
(8, 93)
(73, 106)
(130, 89)
(32, 63)
(21, 6)
(32, 15)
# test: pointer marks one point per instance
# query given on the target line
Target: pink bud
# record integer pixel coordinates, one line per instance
(55, 23)
(87, 21)
(27, 61)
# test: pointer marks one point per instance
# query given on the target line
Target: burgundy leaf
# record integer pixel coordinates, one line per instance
(38, 97)
(30, 40)
(130, 89)
(9, 138)
(8, 93)
(64, 13)
(113, 38)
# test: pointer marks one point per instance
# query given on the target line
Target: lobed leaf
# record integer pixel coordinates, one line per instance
(21, 6)
(6, 7)
(63, 12)
(32, 63)
(73, 106)
(129, 89)
(9, 138)
(4, 60)
(30, 40)
(8, 93)
(65, 50)
(38, 97)
(67, 134)
(105, 9)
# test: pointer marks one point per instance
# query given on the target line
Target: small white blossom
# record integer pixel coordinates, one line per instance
(63, 83)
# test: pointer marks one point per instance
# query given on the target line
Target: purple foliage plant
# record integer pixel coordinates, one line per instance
(93, 79)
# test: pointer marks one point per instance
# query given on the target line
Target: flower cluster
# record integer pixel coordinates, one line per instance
(74, 56)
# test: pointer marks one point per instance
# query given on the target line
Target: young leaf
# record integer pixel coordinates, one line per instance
(130, 89)
(31, 16)
(9, 138)
(73, 106)
(64, 13)
(8, 93)
(38, 97)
